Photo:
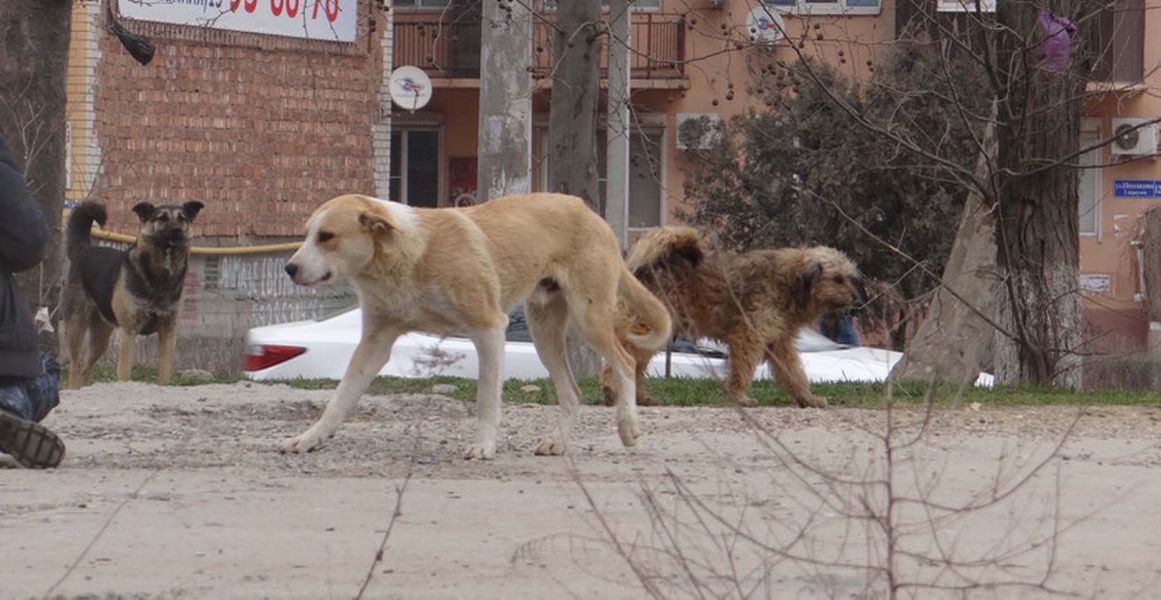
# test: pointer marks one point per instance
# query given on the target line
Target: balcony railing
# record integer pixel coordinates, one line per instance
(450, 48)
(445, 49)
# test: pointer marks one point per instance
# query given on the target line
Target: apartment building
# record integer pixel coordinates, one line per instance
(690, 59)
(261, 118)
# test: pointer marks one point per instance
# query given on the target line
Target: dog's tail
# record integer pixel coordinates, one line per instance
(80, 223)
(665, 247)
(651, 325)
(675, 250)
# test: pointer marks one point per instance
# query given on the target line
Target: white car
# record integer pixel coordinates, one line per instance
(322, 349)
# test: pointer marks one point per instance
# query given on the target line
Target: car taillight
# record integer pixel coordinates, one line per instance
(266, 356)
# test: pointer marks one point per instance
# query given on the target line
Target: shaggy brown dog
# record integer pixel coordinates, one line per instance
(754, 302)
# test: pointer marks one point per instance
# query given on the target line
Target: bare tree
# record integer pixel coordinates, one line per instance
(875, 520)
(1037, 238)
(1037, 59)
(1152, 272)
(954, 341)
(803, 171)
(33, 69)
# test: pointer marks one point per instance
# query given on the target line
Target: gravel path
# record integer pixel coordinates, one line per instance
(180, 492)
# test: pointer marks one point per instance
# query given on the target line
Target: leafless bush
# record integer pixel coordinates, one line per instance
(1133, 371)
(1117, 362)
(880, 518)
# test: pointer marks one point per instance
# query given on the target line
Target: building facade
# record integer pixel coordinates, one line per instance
(263, 124)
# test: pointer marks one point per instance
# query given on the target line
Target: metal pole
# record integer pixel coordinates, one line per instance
(619, 128)
(504, 150)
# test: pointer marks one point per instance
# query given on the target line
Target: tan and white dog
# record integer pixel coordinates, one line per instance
(460, 271)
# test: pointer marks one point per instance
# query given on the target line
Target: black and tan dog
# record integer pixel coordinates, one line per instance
(138, 290)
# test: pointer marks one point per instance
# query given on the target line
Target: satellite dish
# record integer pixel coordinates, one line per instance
(465, 200)
(409, 87)
(765, 26)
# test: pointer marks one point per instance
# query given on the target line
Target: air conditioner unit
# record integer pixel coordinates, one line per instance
(698, 131)
(1135, 137)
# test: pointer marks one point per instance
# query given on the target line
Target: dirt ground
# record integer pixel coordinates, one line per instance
(181, 493)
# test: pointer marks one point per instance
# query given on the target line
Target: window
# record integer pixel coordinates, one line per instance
(1090, 182)
(415, 160)
(645, 173)
(987, 6)
(421, 4)
(644, 177)
(634, 4)
(827, 7)
(548, 4)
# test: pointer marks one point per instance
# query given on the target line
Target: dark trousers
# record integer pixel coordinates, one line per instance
(31, 398)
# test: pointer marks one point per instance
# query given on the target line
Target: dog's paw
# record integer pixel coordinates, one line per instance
(628, 429)
(812, 401)
(745, 401)
(480, 452)
(303, 443)
(551, 445)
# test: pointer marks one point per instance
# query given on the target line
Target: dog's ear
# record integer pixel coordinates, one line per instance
(807, 276)
(145, 211)
(375, 221)
(191, 209)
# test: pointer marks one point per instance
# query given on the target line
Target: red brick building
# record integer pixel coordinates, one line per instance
(261, 128)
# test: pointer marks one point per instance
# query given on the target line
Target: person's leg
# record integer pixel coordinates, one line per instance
(829, 327)
(846, 331)
(24, 402)
(44, 391)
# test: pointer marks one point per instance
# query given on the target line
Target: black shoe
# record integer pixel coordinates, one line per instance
(31, 444)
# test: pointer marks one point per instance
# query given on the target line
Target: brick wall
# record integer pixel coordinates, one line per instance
(260, 128)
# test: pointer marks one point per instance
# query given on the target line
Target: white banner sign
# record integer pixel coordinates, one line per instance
(328, 20)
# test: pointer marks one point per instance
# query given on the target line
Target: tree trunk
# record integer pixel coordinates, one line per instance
(1151, 268)
(572, 114)
(954, 341)
(1038, 305)
(33, 69)
(572, 125)
(504, 149)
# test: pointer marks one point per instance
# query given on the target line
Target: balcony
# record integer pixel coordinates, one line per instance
(1113, 51)
(449, 48)
(1117, 43)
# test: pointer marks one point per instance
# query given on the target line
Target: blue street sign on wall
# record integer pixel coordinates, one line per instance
(1137, 188)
